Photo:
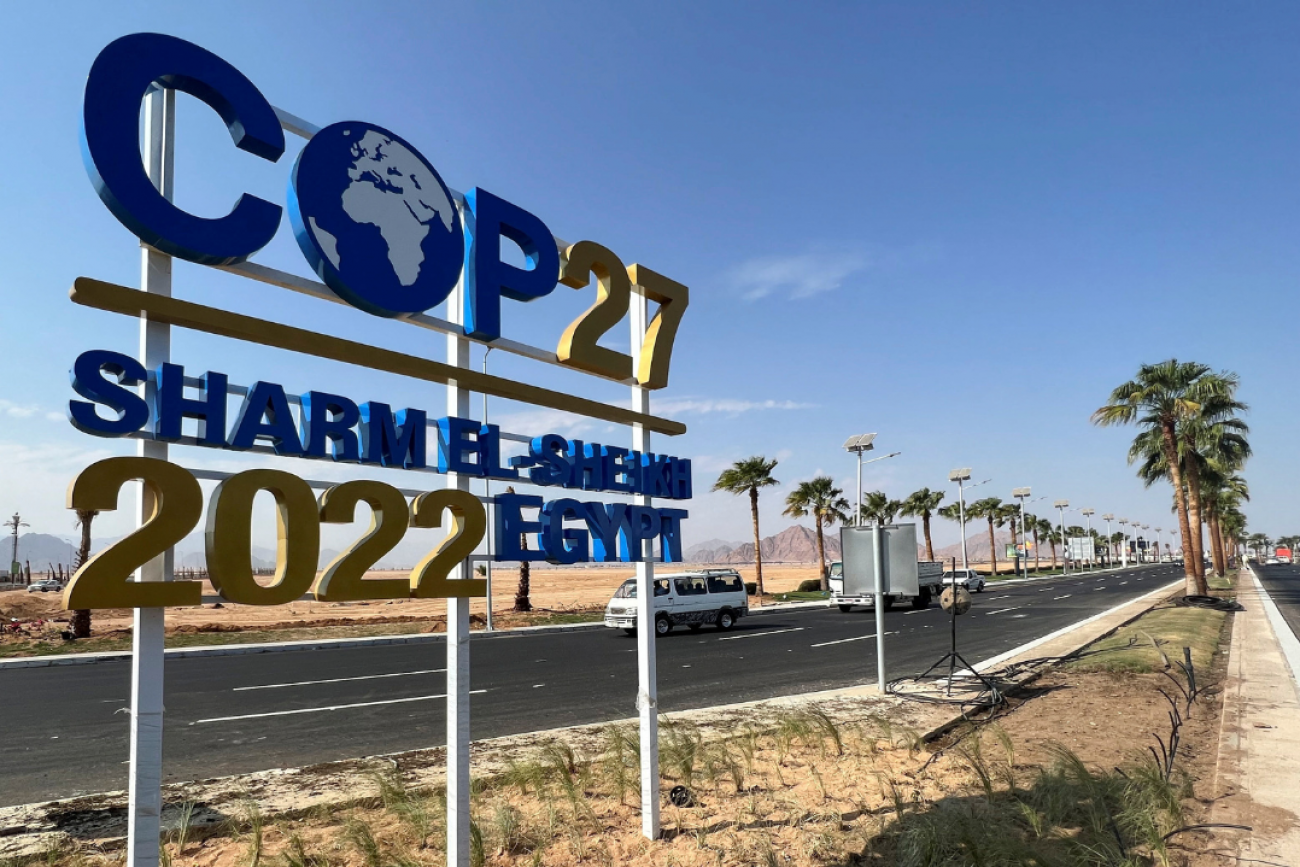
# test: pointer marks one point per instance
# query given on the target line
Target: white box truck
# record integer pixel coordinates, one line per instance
(905, 579)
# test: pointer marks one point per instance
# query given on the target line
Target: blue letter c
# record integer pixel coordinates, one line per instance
(110, 145)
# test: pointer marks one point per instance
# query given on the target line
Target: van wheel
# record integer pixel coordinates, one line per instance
(726, 619)
(663, 625)
(846, 608)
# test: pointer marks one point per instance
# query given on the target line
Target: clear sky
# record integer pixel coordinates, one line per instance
(958, 225)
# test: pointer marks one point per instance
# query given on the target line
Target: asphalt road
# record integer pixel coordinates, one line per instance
(1283, 584)
(65, 727)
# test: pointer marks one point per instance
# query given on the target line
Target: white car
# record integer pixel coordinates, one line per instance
(968, 578)
(690, 599)
(47, 586)
(1271, 561)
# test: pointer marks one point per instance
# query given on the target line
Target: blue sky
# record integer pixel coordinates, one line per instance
(958, 225)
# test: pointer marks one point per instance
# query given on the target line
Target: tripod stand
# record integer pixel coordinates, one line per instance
(953, 657)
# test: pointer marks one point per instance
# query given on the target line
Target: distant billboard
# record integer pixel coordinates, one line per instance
(1079, 548)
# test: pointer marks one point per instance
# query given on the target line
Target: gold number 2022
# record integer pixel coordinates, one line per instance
(578, 345)
(175, 505)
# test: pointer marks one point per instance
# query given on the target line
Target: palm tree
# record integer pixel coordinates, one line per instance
(1033, 525)
(921, 504)
(879, 508)
(81, 616)
(989, 508)
(825, 502)
(1053, 537)
(746, 477)
(1011, 516)
(523, 591)
(952, 512)
(1159, 399)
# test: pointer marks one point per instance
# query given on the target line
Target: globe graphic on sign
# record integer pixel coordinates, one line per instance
(375, 220)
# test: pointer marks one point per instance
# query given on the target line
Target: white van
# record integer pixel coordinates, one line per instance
(715, 596)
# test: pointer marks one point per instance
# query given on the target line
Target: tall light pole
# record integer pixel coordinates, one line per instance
(1160, 539)
(960, 477)
(15, 522)
(1022, 494)
(1123, 551)
(1108, 517)
(859, 444)
(1092, 546)
(1061, 506)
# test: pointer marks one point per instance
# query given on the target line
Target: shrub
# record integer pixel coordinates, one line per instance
(812, 585)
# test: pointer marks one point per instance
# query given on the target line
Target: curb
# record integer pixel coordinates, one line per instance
(1286, 639)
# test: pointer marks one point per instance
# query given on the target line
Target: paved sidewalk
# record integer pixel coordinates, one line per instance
(1258, 776)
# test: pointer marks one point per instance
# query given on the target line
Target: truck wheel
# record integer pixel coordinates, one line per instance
(922, 600)
(663, 625)
(889, 603)
(630, 630)
(846, 608)
(726, 619)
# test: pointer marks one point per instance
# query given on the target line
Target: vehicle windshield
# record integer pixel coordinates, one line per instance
(837, 570)
(627, 590)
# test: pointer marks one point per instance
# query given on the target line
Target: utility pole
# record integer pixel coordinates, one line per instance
(15, 522)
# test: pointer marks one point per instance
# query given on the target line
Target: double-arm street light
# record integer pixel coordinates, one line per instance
(1022, 494)
(860, 444)
(961, 476)
(1108, 517)
(1061, 506)
(1092, 546)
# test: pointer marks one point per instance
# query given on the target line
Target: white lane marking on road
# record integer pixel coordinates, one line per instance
(338, 679)
(1005, 610)
(1122, 583)
(1098, 588)
(1066, 596)
(331, 707)
(842, 640)
(919, 611)
(996, 598)
(538, 685)
(768, 632)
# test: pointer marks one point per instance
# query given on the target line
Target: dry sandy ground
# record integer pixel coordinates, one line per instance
(554, 589)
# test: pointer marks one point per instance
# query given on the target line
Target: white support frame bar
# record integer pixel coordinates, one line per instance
(647, 700)
(458, 670)
(144, 798)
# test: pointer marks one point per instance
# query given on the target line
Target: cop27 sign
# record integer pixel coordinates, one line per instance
(380, 228)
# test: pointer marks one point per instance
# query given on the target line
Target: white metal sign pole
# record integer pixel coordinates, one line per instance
(877, 551)
(458, 817)
(144, 809)
(647, 701)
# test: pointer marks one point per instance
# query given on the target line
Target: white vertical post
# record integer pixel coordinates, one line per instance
(144, 804)
(458, 815)
(647, 701)
(879, 554)
(489, 506)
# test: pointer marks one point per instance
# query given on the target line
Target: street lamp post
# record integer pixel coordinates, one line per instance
(1092, 547)
(1022, 494)
(961, 476)
(859, 444)
(1108, 517)
(1061, 506)
(1160, 540)
(1123, 551)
